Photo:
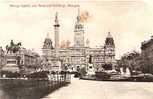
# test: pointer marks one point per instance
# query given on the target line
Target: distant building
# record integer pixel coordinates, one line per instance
(147, 55)
(24, 61)
(78, 55)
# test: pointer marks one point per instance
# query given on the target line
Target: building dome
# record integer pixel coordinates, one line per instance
(47, 43)
(109, 40)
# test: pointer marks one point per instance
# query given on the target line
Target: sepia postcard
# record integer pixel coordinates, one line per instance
(76, 49)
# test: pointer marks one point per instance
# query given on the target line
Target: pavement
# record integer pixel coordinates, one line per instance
(86, 89)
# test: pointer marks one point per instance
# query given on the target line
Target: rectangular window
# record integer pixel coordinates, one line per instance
(11, 62)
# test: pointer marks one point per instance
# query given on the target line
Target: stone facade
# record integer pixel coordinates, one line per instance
(78, 55)
(24, 60)
(147, 55)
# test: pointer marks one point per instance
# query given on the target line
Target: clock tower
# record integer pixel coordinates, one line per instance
(78, 32)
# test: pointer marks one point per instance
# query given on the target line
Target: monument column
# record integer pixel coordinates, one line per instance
(56, 30)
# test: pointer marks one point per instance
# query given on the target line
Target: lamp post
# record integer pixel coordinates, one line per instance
(0, 59)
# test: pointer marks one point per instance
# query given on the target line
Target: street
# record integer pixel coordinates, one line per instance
(85, 89)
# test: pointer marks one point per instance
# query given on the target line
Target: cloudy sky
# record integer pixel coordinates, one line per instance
(29, 21)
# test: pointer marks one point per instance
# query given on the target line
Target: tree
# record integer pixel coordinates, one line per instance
(129, 60)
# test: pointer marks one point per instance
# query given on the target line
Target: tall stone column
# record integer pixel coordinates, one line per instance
(56, 30)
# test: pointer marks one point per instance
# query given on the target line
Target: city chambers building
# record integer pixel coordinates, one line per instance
(80, 53)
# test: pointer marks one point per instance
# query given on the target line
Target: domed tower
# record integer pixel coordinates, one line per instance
(109, 51)
(47, 47)
(47, 43)
(109, 40)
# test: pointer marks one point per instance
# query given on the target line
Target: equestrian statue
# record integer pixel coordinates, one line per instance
(13, 48)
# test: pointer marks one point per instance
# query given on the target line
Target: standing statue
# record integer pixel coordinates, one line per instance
(11, 43)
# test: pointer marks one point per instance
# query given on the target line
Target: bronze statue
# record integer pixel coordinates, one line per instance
(13, 47)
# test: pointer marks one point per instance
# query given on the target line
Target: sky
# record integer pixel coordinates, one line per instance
(29, 21)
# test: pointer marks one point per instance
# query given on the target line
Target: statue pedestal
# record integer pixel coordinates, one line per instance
(11, 68)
